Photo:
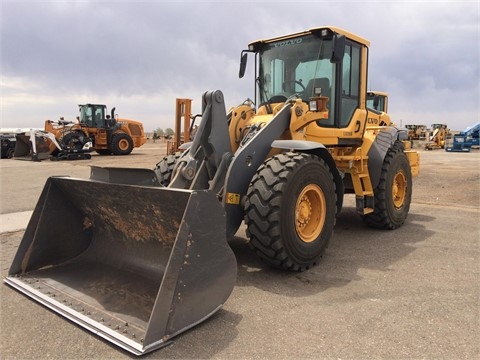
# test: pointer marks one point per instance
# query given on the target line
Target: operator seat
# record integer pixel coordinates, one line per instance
(323, 83)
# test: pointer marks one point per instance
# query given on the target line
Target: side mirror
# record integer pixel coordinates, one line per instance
(376, 102)
(338, 49)
(243, 64)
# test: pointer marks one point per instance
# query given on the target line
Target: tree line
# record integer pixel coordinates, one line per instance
(160, 133)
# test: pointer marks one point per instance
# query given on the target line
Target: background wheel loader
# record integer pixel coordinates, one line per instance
(377, 100)
(106, 133)
(137, 263)
(109, 134)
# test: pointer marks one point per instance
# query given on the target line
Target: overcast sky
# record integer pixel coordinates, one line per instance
(139, 56)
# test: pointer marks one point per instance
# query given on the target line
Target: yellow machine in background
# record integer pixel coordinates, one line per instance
(137, 263)
(377, 101)
(438, 137)
(416, 132)
(185, 127)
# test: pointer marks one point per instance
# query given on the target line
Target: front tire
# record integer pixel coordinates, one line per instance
(290, 210)
(164, 168)
(393, 194)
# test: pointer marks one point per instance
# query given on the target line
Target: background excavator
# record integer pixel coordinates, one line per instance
(37, 145)
(137, 263)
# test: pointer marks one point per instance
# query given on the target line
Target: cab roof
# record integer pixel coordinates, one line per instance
(257, 44)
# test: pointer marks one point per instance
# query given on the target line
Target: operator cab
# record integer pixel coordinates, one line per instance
(377, 101)
(94, 116)
(322, 62)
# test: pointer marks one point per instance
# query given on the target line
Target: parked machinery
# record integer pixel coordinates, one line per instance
(465, 140)
(37, 145)
(108, 133)
(439, 135)
(416, 132)
(138, 263)
(377, 101)
(8, 145)
(185, 127)
(93, 130)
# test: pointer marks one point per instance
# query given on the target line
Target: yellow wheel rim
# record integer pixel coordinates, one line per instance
(310, 211)
(123, 144)
(399, 189)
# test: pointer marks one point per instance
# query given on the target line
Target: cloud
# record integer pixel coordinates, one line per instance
(140, 56)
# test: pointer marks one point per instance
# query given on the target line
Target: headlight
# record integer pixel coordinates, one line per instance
(312, 105)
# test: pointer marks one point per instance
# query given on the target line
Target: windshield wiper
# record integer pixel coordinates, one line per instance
(265, 95)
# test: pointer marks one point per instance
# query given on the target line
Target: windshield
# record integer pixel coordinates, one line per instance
(295, 66)
(91, 115)
(86, 115)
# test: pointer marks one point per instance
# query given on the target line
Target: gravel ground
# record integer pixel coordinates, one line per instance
(406, 294)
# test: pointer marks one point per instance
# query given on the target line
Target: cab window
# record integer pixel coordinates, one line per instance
(350, 83)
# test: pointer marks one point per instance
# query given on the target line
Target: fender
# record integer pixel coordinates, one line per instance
(384, 140)
(321, 151)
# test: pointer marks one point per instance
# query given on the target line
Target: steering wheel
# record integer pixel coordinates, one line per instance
(277, 99)
(295, 82)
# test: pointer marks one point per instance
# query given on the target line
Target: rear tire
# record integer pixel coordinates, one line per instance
(122, 144)
(290, 210)
(393, 194)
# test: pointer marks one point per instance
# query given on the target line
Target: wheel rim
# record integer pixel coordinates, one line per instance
(123, 144)
(310, 211)
(399, 189)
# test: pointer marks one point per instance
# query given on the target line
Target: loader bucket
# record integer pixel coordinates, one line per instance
(23, 148)
(136, 265)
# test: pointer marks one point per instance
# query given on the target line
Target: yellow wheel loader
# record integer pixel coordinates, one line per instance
(377, 100)
(438, 138)
(137, 263)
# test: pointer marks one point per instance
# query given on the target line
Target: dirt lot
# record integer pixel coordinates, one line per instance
(404, 294)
